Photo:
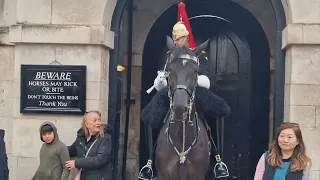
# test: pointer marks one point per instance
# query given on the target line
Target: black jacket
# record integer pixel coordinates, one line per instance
(270, 171)
(4, 171)
(98, 164)
(203, 63)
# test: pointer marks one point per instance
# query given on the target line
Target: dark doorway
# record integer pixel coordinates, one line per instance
(239, 63)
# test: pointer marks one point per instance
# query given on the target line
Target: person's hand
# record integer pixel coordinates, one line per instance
(70, 164)
(160, 82)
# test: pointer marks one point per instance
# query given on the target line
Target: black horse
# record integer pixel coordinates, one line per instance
(186, 102)
(182, 145)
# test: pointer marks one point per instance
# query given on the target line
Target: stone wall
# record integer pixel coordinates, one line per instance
(45, 32)
(301, 40)
(6, 91)
(25, 133)
(78, 33)
(134, 121)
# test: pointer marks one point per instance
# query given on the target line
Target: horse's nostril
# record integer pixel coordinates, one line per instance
(179, 111)
(185, 115)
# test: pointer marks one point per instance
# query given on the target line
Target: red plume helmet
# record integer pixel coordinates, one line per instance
(182, 27)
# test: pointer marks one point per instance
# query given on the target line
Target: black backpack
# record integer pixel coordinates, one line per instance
(4, 171)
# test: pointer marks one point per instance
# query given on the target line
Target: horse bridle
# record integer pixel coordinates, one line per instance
(184, 87)
(190, 104)
(183, 154)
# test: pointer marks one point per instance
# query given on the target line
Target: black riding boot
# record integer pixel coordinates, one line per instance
(146, 172)
(220, 169)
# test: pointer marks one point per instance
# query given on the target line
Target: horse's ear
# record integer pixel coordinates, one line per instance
(200, 48)
(170, 44)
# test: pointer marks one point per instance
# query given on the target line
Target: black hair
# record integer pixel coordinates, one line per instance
(46, 128)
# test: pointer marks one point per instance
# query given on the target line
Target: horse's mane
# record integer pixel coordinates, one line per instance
(181, 51)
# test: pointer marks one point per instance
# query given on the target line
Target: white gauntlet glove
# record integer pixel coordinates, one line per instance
(160, 82)
(203, 81)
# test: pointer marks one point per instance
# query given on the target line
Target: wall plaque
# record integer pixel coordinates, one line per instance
(52, 89)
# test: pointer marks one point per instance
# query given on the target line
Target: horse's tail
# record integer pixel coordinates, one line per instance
(183, 171)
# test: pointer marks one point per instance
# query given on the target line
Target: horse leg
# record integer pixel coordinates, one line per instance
(200, 177)
(166, 176)
(196, 174)
(159, 177)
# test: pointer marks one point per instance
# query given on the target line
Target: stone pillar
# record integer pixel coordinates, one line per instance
(42, 32)
(301, 40)
(302, 84)
(6, 89)
(66, 45)
(132, 168)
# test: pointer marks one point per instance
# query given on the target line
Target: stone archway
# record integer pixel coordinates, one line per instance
(239, 88)
(262, 10)
(301, 30)
(42, 32)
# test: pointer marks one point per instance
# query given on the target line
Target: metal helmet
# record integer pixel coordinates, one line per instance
(182, 27)
(179, 30)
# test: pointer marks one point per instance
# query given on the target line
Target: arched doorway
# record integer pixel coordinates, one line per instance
(239, 63)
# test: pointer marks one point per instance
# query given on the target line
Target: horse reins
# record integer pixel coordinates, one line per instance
(182, 155)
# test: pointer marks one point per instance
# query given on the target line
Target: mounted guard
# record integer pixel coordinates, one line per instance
(208, 105)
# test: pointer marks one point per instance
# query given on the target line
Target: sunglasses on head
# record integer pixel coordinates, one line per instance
(86, 113)
(292, 123)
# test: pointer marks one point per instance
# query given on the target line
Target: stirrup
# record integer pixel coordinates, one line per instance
(220, 169)
(146, 172)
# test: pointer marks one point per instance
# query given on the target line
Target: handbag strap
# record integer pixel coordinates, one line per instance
(91, 147)
(80, 170)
